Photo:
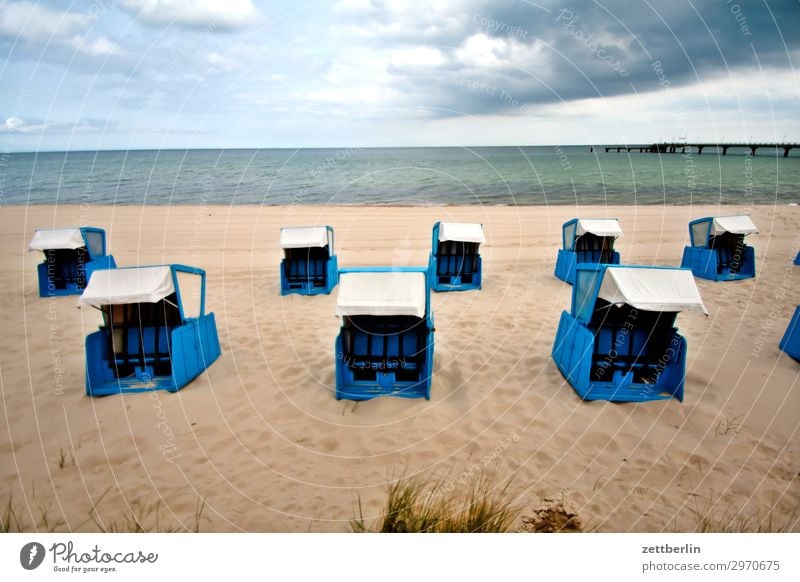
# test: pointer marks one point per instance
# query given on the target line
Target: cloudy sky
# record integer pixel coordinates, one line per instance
(118, 74)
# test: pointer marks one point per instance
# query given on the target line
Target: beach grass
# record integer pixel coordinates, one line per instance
(418, 505)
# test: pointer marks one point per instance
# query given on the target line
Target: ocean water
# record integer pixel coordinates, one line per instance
(407, 176)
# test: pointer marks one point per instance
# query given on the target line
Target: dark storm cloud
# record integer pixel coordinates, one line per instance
(586, 49)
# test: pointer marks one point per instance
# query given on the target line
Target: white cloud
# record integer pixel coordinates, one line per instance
(12, 124)
(193, 13)
(15, 124)
(480, 50)
(218, 61)
(99, 47)
(417, 56)
(353, 5)
(38, 25)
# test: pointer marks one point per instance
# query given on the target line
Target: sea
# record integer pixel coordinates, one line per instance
(537, 175)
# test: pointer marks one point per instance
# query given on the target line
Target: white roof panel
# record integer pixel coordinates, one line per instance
(734, 224)
(302, 237)
(461, 232)
(599, 227)
(381, 293)
(56, 238)
(652, 289)
(130, 285)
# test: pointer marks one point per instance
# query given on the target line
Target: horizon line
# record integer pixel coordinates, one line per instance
(353, 147)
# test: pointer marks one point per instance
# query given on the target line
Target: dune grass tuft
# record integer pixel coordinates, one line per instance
(416, 505)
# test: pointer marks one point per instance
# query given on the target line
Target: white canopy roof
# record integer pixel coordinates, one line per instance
(303, 237)
(599, 227)
(131, 285)
(382, 293)
(652, 289)
(734, 224)
(56, 238)
(461, 231)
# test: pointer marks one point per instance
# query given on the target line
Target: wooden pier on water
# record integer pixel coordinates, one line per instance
(682, 147)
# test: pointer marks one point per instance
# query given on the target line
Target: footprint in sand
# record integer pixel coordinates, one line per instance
(328, 445)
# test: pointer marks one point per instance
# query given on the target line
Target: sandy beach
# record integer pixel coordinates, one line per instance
(261, 440)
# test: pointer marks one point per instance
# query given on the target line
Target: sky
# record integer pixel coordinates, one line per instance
(149, 74)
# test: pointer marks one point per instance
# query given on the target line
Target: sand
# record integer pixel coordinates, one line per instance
(261, 440)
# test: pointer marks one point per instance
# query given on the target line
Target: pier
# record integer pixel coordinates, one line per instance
(684, 147)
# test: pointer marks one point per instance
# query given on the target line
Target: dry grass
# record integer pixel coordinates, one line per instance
(716, 517)
(13, 520)
(145, 518)
(421, 506)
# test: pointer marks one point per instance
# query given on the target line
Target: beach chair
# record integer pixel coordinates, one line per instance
(155, 333)
(71, 255)
(385, 344)
(718, 251)
(797, 258)
(455, 262)
(587, 241)
(791, 339)
(309, 265)
(619, 341)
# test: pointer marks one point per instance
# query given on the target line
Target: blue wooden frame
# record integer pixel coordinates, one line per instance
(385, 382)
(193, 345)
(589, 355)
(304, 284)
(79, 271)
(707, 263)
(568, 258)
(790, 343)
(456, 278)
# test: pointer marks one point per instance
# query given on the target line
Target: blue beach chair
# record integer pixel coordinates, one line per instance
(71, 255)
(309, 265)
(455, 262)
(587, 241)
(797, 258)
(155, 333)
(619, 341)
(718, 251)
(385, 345)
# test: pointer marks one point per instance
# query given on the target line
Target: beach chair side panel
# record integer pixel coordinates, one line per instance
(195, 346)
(98, 372)
(565, 266)
(790, 343)
(572, 352)
(702, 261)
